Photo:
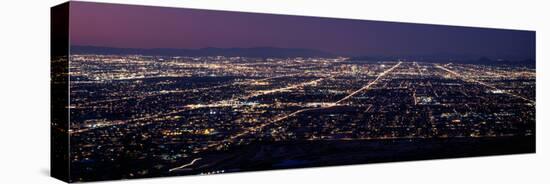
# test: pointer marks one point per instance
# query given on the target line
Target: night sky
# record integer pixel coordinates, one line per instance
(124, 26)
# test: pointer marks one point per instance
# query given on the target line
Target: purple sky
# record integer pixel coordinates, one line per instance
(127, 26)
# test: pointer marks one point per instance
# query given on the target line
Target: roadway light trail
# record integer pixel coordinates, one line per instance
(467, 79)
(418, 69)
(114, 123)
(185, 165)
(370, 84)
(265, 92)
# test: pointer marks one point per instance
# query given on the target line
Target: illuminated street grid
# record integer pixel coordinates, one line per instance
(172, 109)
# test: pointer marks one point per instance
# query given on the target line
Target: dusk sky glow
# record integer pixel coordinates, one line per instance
(125, 26)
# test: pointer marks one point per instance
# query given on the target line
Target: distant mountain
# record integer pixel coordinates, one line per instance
(437, 57)
(488, 61)
(260, 52)
(449, 59)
